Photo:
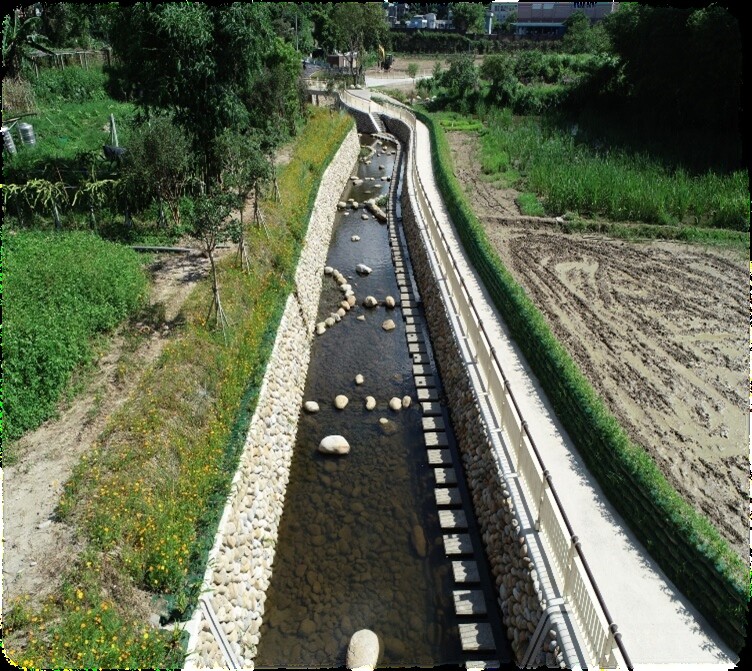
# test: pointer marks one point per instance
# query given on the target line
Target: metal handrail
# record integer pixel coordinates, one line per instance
(547, 480)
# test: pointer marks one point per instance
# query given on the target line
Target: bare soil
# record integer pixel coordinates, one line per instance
(658, 328)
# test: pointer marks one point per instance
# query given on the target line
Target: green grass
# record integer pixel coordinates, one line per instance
(736, 240)
(460, 122)
(530, 205)
(618, 185)
(63, 131)
(150, 493)
(61, 290)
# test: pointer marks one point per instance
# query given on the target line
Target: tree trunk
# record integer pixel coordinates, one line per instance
(216, 304)
(244, 261)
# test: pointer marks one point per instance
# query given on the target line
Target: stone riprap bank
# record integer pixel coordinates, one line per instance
(240, 563)
(519, 594)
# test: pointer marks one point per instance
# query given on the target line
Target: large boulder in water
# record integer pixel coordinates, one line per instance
(341, 401)
(363, 650)
(334, 445)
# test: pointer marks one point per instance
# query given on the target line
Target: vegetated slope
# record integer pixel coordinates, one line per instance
(658, 328)
(61, 290)
(146, 501)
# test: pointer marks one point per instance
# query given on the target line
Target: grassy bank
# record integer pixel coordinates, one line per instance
(61, 291)
(620, 185)
(148, 498)
(688, 548)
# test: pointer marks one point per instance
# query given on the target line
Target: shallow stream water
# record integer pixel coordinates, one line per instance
(345, 558)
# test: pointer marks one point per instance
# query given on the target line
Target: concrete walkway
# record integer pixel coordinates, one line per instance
(659, 626)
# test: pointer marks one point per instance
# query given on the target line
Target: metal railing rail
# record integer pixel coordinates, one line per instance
(579, 587)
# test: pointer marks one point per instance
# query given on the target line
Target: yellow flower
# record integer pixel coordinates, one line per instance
(80, 594)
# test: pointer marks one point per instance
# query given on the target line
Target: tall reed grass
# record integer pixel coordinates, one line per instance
(613, 183)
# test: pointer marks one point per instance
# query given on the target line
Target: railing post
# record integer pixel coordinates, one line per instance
(521, 439)
(606, 659)
(571, 565)
(544, 486)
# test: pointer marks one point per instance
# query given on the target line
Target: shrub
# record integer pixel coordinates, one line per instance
(71, 84)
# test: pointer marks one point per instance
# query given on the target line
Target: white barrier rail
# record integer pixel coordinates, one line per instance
(577, 584)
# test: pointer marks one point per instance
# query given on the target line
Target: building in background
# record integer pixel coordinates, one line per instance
(547, 18)
(500, 11)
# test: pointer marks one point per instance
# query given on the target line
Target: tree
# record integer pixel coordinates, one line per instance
(581, 37)
(276, 100)
(498, 70)
(158, 164)
(508, 24)
(678, 67)
(210, 225)
(412, 70)
(213, 67)
(359, 26)
(468, 16)
(461, 78)
(245, 168)
(292, 22)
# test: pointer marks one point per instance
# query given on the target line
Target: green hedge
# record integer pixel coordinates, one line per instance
(687, 547)
(61, 290)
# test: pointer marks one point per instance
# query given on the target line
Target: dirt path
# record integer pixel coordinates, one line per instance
(659, 329)
(37, 548)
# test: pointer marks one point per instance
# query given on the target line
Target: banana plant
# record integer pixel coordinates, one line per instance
(19, 37)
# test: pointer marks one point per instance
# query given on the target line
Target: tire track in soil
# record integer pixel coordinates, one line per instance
(659, 329)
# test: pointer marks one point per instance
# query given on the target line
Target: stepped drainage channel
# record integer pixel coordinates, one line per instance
(360, 543)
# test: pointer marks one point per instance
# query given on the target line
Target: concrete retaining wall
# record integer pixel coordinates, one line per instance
(240, 563)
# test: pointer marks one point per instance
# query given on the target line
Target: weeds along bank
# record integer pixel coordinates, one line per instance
(240, 562)
(148, 498)
(61, 291)
(688, 548)
(621, 185)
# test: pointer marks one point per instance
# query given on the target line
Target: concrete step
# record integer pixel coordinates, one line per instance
(445, 476)
(424, 380)
(431, 409)
(469, 602)
(434, 439)
(482, 664)
(452, 519)
(447, 496)
(457, 544)
(433, 424)
(465, 571)
(428, 395)
(439, 458)
(476, 636)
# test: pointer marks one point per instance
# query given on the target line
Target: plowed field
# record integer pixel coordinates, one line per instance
(659, 329)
